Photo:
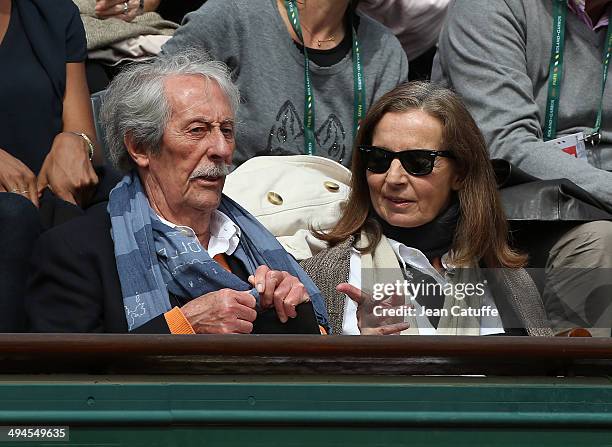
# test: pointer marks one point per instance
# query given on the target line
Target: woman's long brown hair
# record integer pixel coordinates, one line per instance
(482, 231)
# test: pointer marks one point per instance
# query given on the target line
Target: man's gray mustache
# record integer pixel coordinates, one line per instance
(211, 171)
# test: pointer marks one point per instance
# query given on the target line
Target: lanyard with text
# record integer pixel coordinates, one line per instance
(358, 83)
(556, 72)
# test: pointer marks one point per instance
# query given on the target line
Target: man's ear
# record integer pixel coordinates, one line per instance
(140, 156)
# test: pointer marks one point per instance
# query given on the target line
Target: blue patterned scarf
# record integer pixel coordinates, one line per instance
(154, 259)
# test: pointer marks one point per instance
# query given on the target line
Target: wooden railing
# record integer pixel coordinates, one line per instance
(275, 355)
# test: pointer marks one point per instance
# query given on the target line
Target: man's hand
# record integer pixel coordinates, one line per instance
(68, 171)
(225, 311)
(368, 322)
(17, 178)
(279, 289)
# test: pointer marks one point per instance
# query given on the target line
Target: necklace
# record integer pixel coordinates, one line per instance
(331, 38)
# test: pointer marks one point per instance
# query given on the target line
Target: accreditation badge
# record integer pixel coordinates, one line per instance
(571, 144)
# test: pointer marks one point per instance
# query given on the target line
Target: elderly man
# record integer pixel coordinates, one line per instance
(169, 253)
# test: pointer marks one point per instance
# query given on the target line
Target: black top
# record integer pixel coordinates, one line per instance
(327, 58)
(42, 36)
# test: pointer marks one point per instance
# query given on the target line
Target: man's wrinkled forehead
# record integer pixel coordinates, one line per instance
(188, 94)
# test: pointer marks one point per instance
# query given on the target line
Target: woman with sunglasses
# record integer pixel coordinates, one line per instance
(422, 244)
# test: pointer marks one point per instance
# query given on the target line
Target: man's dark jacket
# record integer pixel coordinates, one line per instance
(74, 286)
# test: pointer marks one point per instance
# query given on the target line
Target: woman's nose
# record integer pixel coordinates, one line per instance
(396, 173)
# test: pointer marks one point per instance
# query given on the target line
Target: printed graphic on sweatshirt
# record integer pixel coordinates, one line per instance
(287, 134)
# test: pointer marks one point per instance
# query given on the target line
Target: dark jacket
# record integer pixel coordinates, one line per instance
(75, 287)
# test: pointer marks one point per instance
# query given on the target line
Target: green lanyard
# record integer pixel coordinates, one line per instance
(556, 71)
(359, 103)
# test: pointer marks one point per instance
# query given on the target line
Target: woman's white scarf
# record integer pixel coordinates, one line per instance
(383, 267)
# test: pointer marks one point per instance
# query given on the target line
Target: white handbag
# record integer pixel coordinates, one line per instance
(290, 195)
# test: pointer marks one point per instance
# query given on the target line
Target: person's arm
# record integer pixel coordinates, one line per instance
(416, 23)
(482, 56)
(78, 114)
(67, 168)
(403, 68)
(387, 64)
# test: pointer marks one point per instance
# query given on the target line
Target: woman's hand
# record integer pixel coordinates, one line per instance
(367, 319)
(17, 178)
(106, 9)
(68, 171)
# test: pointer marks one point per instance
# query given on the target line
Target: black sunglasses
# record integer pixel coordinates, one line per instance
(415, 162)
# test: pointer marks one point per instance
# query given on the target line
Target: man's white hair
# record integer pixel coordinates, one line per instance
(135, 104)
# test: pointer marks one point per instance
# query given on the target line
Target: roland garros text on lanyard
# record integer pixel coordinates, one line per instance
(358, 81)
(556, 72)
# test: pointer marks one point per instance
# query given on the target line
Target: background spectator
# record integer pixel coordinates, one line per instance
(498, 58)
(46, 130)
(119, 32)
(417, 25)
(256, 39)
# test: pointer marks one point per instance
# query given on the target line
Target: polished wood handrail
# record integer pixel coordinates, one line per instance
(308, 345)
(303, 354)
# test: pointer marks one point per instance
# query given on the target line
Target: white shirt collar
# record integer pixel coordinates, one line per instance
(415, 258)
(224, 234)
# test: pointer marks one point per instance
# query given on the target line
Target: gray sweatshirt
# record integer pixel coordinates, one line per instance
(496, 53)
(250, 36)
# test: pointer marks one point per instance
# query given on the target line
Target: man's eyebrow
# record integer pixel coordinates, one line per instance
(208, 120)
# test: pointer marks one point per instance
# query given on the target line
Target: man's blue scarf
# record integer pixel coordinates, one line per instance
(154, 259)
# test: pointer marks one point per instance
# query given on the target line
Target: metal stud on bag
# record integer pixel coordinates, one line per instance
(331, 186)
(274, 198)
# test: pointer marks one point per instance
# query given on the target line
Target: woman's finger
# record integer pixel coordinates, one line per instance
(352, 292)
(31, 190)
(393, 329)
(115, 8)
